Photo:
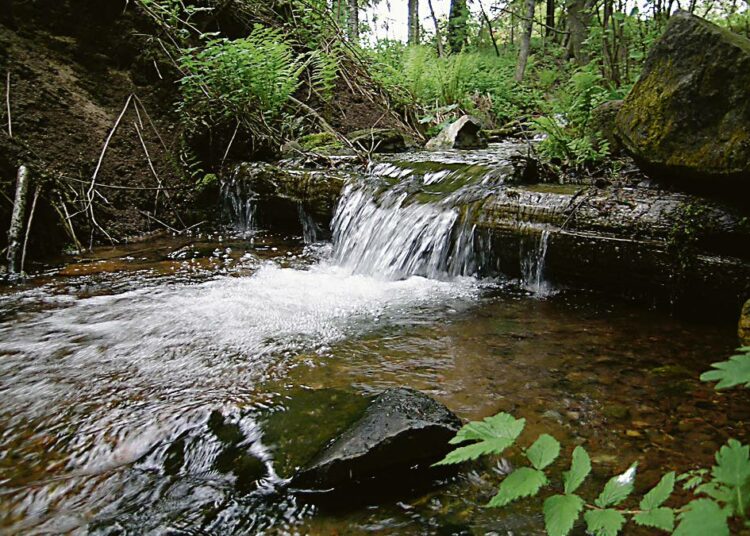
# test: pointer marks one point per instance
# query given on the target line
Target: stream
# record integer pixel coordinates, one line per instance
(108, 362)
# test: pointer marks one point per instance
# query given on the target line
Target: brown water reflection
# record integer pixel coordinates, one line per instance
(615, 377)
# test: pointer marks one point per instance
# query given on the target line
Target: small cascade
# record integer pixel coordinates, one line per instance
(311, 231)
(239, 206)
(532, 265)
(388, 234)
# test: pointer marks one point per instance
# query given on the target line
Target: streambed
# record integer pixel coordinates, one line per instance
(108, 361)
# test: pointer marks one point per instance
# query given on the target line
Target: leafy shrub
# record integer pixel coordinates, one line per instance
(243, 78)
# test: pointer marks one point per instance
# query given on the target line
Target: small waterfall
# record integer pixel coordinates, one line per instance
(239, 206)
(311, 231)
(391, 236)
(532, 265)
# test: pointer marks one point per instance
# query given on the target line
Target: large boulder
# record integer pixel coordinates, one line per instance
(400, 435)
(743, 329)
(688, 116)
(462, 134)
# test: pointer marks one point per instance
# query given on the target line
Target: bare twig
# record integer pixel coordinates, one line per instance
(7, 104)
(28, 226)
(169, 227)
(229, 147)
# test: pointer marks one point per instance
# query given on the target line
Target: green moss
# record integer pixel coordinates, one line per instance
(321, 141)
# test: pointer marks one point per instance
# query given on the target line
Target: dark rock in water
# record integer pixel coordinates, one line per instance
(401, 434)
(688, 117)
(744, 327)
(306, 422)
(603, 121)
(380, 140)
(462, 134)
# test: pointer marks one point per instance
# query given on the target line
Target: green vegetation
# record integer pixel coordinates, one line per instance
(720, 494)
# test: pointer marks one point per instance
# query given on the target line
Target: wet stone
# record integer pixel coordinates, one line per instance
(401, 434)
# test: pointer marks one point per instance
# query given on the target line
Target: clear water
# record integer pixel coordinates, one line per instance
(112, 366)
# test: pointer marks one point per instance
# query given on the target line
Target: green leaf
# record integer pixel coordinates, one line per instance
(701, 518)
(606, 522)
(501, 425)
(560, 513)
(659, 493)
(617, 489)
(692, 482)
(580, 468)
(543, 452)
(494, 435)
(472, 452)
(734, 371)
(660, 518)
(523, 482)
(732, 464)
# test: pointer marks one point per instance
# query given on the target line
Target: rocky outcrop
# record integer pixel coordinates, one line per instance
(688, 117)
(401, 434)
(462, 134)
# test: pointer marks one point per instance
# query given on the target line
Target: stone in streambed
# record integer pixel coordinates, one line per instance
(401, 434)
(462, 134)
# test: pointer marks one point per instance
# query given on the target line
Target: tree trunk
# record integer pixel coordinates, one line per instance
(579, 17)
(353, 20)
(523, 53)
(457, 18)
(489, 29)
(16, 220)
(413, 22)
(438, 36)
(549, 19)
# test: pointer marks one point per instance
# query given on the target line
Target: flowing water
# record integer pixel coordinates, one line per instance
(113, 368)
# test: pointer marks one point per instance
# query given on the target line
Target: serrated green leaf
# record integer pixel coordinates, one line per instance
(543, 452)
(606, 522)
(734, 371)
(502, 425)
(523, 482)
(701, 518)
(617, 489)
(732, 464)
(691, 474)
(474, 451)
(659, 518)
(560, 513)
(716, 491)
(493, 435)
(692, 482)
(580, 467)
(659, 493)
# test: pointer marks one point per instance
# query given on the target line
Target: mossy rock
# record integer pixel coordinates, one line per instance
(321, 142)
(688, 117)
(744, 326)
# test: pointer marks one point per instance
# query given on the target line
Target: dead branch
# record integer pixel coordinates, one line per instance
(7, 104)
(28, 226)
